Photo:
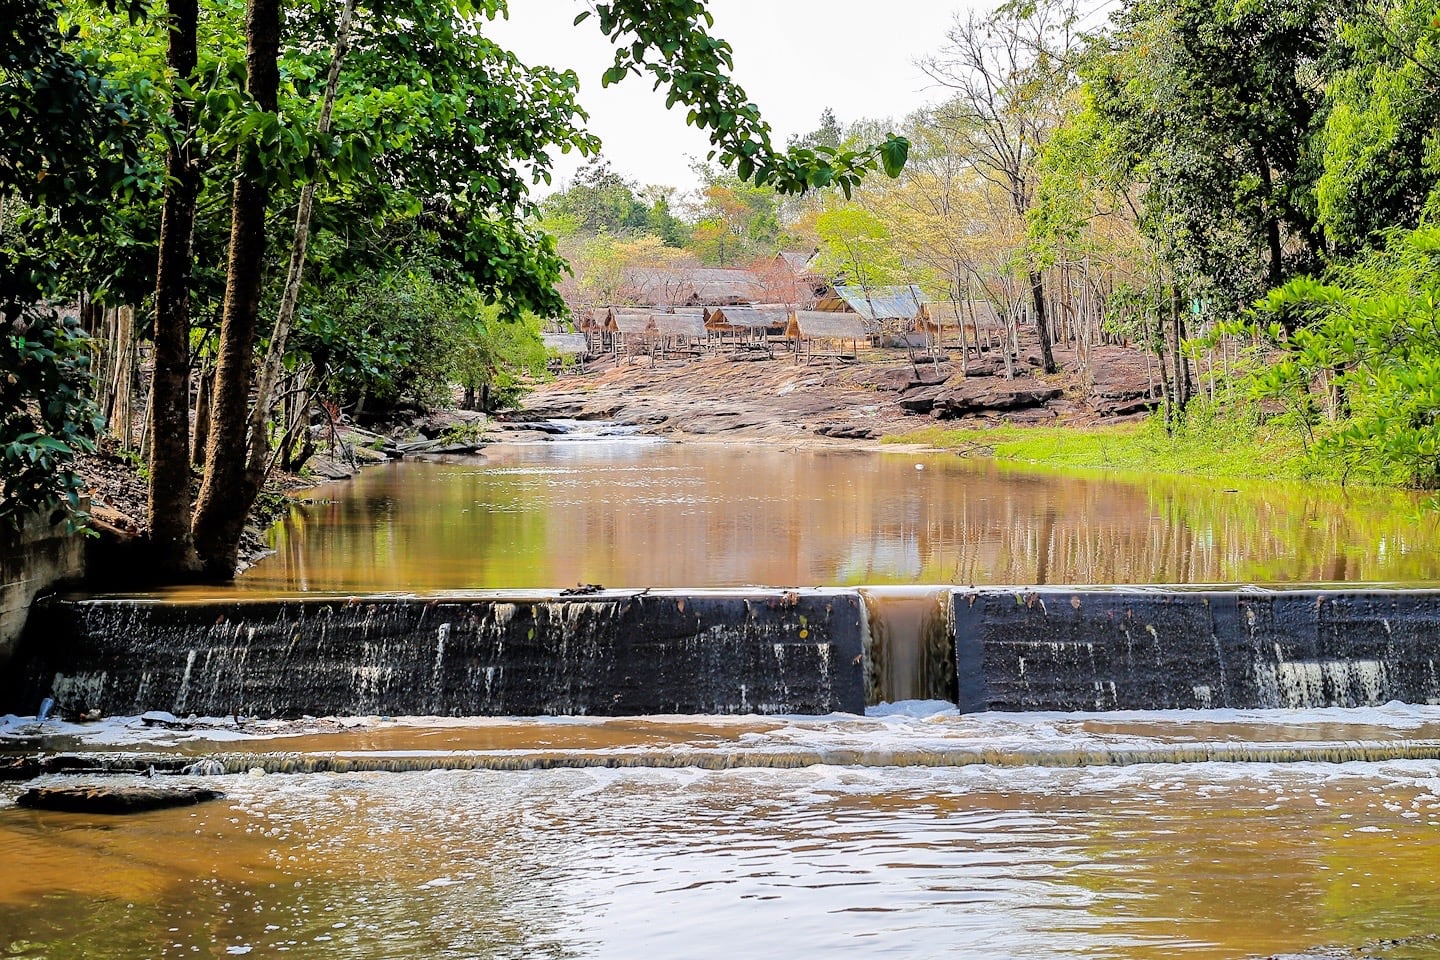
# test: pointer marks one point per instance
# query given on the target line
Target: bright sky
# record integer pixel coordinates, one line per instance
(793, 57)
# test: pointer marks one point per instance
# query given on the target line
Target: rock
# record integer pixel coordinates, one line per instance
(114, 799)
(1029, 416)
(921, 399)
(978, 397)
(436, 425)
(846, 431)
(20, 768)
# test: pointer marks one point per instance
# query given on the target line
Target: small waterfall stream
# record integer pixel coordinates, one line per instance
(909, 644)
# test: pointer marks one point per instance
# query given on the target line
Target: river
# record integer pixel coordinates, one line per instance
(913, 832)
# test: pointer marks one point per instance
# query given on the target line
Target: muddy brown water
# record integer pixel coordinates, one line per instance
(692, 838)
(635, 514)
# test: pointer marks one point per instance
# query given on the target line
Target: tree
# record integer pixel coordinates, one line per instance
(1010, 71)
(855, 245)
(1372, 330)
(67, 146)
(1380, 143)
(1214, 109)
(735, 221)
(426, 83)
(169, 483)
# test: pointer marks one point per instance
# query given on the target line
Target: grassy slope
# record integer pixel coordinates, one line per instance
(1205, 447)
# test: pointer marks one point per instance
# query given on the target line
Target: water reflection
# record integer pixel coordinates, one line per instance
(644, 514)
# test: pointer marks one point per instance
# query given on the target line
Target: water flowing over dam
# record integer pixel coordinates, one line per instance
(726, 652)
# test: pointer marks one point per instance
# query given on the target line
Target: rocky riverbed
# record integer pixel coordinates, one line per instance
(884, 394)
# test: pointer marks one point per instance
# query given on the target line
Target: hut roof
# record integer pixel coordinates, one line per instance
(745, 318)
(826, 325)
(628, 322)
(692, 285)
(690, 325)
(881, 303)
(565, 343)
(948, 314)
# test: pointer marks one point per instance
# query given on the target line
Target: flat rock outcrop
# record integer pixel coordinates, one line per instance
(114, 799)
(989, 395)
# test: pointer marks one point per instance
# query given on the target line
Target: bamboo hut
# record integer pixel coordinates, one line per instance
(746, 329)
(947, 323)
(629, 333)
(832, 329)
(563, 345)
(679, 334)
(889, 313)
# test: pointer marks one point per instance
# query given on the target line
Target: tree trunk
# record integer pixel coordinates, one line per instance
(169, 422)
(1177, 335)
(226, 495)
(202, 413)
(259, 447)
(1037, 293)
(1166, 393)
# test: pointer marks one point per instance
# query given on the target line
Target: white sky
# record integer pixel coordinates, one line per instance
(793, 57)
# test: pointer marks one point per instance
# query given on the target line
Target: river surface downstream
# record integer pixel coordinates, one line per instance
(635, 514)
(1035, 854)
(912, 832)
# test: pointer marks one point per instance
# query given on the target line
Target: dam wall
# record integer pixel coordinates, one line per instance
(37, 557)
(764, 652)
(731, 652)
(1163, 649)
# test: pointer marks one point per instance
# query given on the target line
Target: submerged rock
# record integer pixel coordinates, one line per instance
(114, 799)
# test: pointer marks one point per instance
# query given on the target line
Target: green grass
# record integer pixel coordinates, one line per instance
(1206, 446)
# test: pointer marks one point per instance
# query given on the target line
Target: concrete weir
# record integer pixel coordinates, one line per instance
(760, 651)
(725, 652)
(1162, 649)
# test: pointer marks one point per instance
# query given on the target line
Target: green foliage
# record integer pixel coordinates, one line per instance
(856, 246)
(1371, 332)
(382, 341)
(1213, 108)
(1380, 147)
(407, 337)
(494, 357)
(736, 221)
(45, 416)
(602, 200)
(68, 142)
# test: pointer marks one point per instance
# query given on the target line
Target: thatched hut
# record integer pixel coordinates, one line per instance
(877, 306)
(747, 328)
(947, 322)
(682, 334)
(821, 333)
(563, 347)
(692, 286)
(629, 332)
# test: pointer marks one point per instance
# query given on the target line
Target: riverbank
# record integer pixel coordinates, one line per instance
(1101, 418)
(882, 395)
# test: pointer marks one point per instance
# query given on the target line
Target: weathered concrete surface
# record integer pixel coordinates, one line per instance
(1151, 649)
(36, 559)
(613, 654)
